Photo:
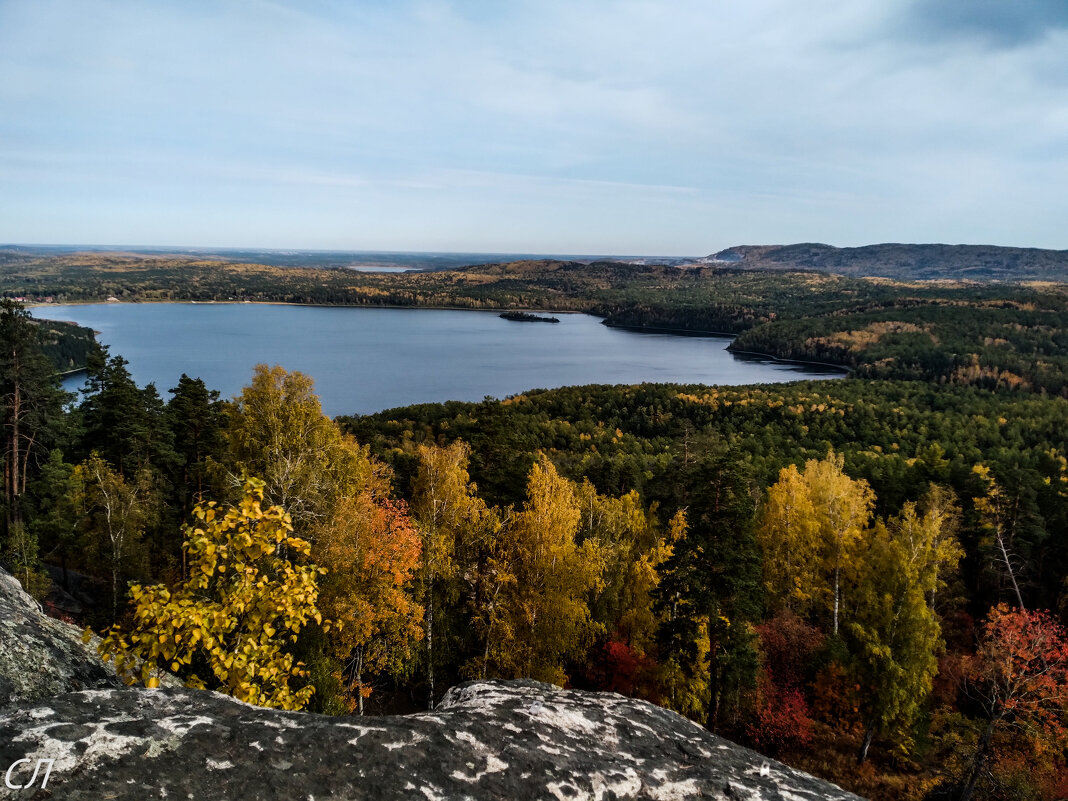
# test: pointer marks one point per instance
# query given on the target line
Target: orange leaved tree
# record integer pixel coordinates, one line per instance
(371, 550)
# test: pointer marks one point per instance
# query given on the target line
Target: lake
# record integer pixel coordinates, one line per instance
(365, 360)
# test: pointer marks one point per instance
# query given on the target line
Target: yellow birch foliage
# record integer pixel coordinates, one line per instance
(631, 550)
(278, 432)
(443, 504)
(789, 537)
(452, 522)
(843, 508)
(638, 621)
(895, 632)
(244, 600)
(811, 524)
(543, 617)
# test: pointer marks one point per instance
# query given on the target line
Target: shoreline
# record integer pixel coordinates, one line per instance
(497, 309)
(652, 329)
(845, 370)
(726, 335)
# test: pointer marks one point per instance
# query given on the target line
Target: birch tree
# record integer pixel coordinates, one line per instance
(114, 513)
(448, 515)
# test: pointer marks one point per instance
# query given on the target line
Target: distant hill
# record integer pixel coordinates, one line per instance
(365, 260)
(903, 262)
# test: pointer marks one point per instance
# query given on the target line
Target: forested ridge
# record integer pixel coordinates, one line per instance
(864, 578)
(908, 262)
(67, 345)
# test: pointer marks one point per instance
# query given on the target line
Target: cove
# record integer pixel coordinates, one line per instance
(368, 359)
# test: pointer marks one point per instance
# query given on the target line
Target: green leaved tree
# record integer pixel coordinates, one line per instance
(895, 635)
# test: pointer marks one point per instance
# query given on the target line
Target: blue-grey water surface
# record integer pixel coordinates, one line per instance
(365, 360)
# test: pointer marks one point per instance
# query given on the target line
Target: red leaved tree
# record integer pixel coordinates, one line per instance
(1019, 677)
(782, 720)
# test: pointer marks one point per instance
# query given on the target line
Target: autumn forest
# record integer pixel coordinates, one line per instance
(864, 578)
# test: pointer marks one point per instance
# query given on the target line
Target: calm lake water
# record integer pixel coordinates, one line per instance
(366, 360)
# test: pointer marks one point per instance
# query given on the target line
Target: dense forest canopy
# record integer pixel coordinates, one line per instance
(865, 577)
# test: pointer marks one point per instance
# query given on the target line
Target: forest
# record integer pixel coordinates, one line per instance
(863, 578)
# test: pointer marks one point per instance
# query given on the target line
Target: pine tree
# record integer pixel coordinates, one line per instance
(31, 406)
(710, 593)
(196, 421)
(121, 422)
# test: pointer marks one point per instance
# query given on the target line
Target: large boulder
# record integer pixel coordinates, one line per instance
(40, 656)
(501, 740)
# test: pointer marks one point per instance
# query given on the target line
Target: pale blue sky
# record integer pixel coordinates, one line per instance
(577, 126)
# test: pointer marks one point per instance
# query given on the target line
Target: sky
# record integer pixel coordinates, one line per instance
(540, 126)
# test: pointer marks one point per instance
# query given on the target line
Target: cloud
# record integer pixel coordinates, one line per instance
(585, 127)
(1000, 23)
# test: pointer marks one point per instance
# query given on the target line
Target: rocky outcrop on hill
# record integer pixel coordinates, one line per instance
(486, 740)
(40, 656)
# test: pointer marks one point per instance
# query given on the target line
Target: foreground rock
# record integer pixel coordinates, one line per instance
(502, 740)
(40, 656)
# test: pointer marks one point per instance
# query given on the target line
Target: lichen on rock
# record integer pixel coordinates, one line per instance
(39, 656)
(486, 740)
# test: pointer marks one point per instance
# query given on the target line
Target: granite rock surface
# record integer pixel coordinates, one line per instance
(40, 656)
(486, 740)
(499, 740)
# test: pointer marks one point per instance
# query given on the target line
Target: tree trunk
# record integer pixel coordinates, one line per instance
(837, 570)
(359, 681)
(862, 754)
(977, 763)
(1008, 568)
(114, 591)
(430, 646)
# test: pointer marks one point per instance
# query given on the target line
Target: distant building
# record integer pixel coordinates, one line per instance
(113, 299)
